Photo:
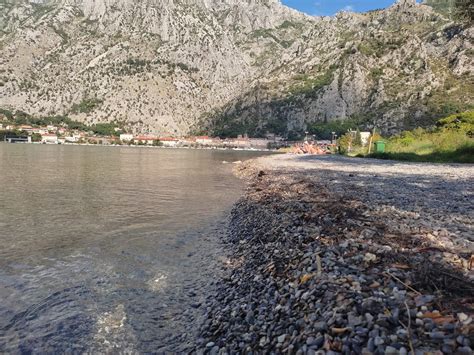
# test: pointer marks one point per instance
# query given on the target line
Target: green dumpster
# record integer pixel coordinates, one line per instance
(379, 147)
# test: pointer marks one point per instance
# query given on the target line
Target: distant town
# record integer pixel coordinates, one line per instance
(20, 127)
(57, 134)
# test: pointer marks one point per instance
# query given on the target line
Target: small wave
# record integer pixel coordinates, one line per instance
(113, 334)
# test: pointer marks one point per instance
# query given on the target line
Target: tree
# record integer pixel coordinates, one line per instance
(345, 143)
(464, 10)
(358, 139)
(36, 137)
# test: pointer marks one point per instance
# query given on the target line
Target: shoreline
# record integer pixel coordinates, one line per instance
(332, 255)
(152, 147)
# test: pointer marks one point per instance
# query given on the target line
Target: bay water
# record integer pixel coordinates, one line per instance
(109, 249)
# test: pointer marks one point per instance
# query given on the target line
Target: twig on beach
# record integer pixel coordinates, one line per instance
(403, 283)
(409, 329)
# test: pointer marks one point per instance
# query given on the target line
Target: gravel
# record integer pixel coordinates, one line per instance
(334, 255)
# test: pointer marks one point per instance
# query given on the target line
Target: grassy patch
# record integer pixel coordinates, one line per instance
(461, 155)
(376, 73)
(452, 140)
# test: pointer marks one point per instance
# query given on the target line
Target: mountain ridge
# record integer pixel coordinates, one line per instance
(236, 67)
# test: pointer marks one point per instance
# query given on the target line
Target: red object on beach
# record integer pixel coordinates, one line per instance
(307, 148)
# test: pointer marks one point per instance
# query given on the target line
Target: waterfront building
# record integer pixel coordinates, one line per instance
(126, 137)
(169, 141)
(49, 138)
(26, 128)
(204, 140)
(40, 130)
(73, 138)
(148, 140)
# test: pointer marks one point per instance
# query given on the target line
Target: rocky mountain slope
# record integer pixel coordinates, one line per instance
(230, 67)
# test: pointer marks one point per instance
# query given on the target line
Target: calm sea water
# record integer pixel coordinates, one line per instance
(108, 249)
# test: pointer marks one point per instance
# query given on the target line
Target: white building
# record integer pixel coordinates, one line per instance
(148, 140)
(40, 131)
(49, 138)
(73, 139)
(26, 128)
(204, 140)
(126, 137)
(169, 142)
(365, 136)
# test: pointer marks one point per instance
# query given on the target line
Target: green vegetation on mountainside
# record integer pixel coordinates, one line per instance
(457, 9)
(403, 89)
(86, 105)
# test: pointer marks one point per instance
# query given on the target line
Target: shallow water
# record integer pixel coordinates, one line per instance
(108, 249)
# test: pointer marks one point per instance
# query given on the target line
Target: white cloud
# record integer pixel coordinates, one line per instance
(348, 8)
(319, 8)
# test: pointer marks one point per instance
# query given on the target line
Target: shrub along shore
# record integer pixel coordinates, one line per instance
(337, 255)
(450, 141)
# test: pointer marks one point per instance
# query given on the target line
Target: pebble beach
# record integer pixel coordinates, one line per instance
(333, 255)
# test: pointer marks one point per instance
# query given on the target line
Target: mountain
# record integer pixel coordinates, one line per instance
(231, 67)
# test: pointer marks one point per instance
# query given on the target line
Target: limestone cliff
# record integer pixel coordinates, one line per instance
(230, 66)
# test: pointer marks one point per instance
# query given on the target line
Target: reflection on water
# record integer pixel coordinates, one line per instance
(106, 248)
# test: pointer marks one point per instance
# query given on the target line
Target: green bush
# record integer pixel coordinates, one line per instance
(7, 113)
(86, 105)
(36, 137)
(345, 143)
(463, 122)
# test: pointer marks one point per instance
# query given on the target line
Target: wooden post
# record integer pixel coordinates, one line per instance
(370, 140)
